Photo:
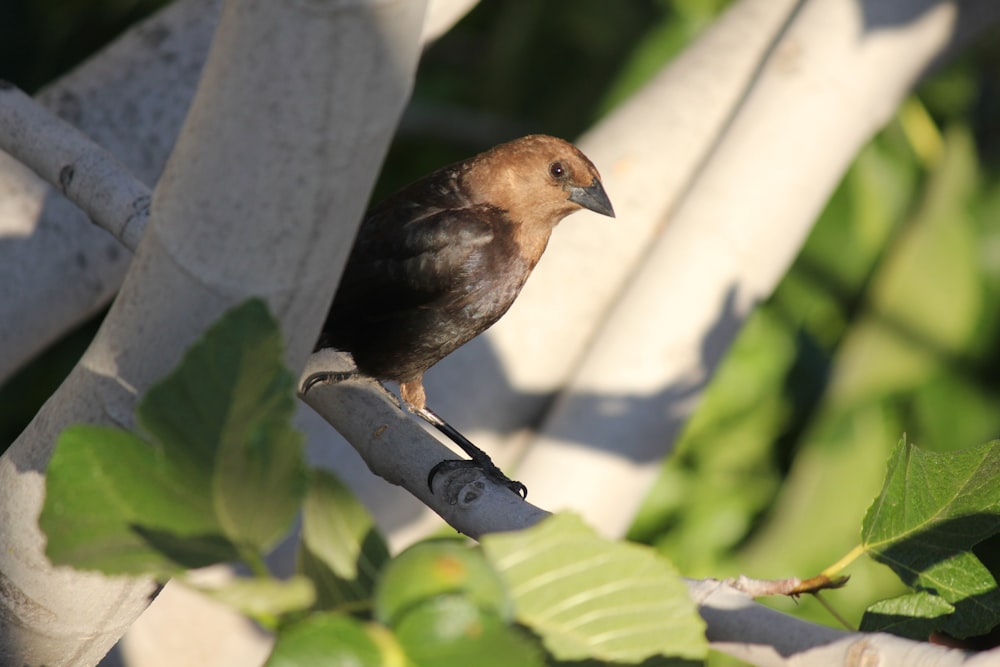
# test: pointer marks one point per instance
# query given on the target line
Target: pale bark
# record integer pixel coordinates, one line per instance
(261, 197)
(86, 174)
(767, 638)
(397, 448)
(442, 15)
(131, 99)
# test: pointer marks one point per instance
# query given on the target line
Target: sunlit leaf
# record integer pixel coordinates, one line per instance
(223, 419)
(588, 597)
(915, 616)
(932, 510)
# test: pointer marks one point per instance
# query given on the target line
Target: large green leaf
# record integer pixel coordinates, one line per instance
(223, 418)
(340, 550)
(932, 510)
(916, 615)
(588, 597)
(222, 474)
(109, 505)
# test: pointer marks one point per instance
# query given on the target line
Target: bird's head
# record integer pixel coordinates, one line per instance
(542, 179)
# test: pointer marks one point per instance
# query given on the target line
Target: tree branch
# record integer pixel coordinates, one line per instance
(761, 636)
(131, 99)
(398, 449)
(87, 175)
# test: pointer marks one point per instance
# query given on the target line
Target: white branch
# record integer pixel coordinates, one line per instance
(761, 636)
(131, 99)
(442, 15)
(84, 172)
(261, 196)
(397, 448)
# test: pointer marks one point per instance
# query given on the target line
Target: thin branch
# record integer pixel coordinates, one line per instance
(761, 636)
(84, 172)
(396, 447)
(131, 99)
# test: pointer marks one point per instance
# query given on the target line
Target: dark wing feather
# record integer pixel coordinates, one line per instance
(415, 264)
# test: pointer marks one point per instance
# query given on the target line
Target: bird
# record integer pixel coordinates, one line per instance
(440, 261)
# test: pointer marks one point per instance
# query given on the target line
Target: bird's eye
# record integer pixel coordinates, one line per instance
(556, 170)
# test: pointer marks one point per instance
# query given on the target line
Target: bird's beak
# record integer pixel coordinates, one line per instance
(592, 197)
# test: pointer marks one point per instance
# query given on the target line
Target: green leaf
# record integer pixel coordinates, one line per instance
(263, 599)
(223, 475)
(340, 549)
(588, 597)
(914, 616)
(110, 506)
(435, 568)
(453, 631)
(223, 419)
(932, 510)
(330, 640)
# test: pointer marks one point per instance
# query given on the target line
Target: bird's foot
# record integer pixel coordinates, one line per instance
(325, 377)
(477, 457)
(483, 463)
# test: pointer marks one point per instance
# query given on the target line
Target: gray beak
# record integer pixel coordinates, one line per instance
(592, 197)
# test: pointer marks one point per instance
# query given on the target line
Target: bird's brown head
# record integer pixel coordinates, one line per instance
(539, 180)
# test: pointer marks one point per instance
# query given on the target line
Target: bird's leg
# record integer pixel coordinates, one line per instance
(415, 399)
(478, 458)
(412, 393)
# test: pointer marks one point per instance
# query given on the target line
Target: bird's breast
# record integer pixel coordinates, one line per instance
(491, 282)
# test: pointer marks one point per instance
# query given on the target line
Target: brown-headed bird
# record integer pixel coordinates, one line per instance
(440, 261)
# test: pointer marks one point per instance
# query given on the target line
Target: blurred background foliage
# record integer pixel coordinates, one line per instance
(887, 323)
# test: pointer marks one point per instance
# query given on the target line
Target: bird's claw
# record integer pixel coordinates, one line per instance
(325, 377)
(487, 466)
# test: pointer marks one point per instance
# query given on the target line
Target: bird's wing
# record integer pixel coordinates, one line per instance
(409, 261)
